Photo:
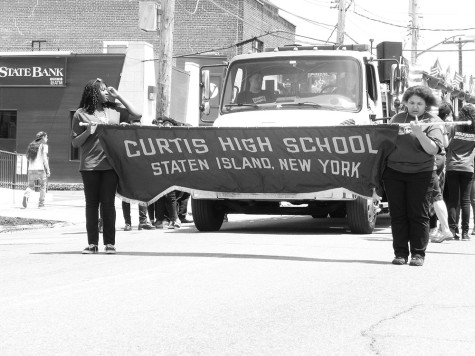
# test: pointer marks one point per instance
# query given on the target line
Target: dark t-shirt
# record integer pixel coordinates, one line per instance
(92, 156)
(408, 156)
(460, 152)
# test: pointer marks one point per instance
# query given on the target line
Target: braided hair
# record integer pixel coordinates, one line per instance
(90, 97)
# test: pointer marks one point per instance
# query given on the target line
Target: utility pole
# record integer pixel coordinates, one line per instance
(460, 44)
(165, 51)
(341, 22)
(414, 14)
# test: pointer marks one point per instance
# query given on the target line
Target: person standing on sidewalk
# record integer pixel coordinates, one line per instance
(38, 167)
(99, 178)
(410, 173)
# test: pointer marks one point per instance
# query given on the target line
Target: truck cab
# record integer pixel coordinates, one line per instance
(300, 87)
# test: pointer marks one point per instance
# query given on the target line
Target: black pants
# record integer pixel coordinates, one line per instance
(165, 207)
(460, 185)
(409, 196)
(100, 188)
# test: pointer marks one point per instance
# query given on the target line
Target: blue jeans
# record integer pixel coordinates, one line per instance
(33, 176)
(409, 196)
(100, 187)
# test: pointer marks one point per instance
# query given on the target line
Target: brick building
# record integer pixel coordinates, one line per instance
(89, 33)
(91, 26)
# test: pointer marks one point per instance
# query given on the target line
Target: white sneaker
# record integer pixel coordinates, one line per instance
(441, 236)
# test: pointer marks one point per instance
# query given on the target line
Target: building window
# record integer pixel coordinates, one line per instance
(115, 46)
(73, 151)
(8, 124)
(257, 46)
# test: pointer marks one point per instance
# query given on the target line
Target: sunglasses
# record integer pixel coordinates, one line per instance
(97, 80)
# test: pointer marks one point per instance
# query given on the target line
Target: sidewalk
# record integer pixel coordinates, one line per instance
(67, 207)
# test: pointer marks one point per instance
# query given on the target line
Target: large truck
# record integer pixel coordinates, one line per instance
(299, 86)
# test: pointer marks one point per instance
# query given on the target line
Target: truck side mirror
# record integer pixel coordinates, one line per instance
(206, 91)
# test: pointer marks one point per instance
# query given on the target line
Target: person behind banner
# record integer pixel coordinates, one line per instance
(38, 167)
(438, 207)
(98, 106)
(165, 208)
(459, 168)
(410, 173)
(254, 93)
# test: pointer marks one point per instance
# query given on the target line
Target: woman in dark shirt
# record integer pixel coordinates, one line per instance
(459, 168)
(99, 179)
(408, 177)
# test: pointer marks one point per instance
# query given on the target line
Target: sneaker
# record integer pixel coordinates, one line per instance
(158, 224)
(110, 249)
(473, 232)
(416, 260)
(127, 227)
(41, 206)
(465, 236)
(455, 235)
(25, 201)
(171, 225)
(441, 236)
(177, 223)
(185, 220)
(90, 250)
(100, 226)
(398, 260)
(146, 226)
(433, 232)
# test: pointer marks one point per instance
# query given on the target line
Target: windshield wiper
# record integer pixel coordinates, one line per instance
(313, 105)
(240, 104)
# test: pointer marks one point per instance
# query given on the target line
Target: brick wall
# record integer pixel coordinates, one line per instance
(220, 23)
(69, 25)
(81, 26)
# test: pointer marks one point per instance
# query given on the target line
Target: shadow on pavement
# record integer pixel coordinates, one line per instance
(224, 255)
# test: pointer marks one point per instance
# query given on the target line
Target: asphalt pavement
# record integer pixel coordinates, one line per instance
(261, 286)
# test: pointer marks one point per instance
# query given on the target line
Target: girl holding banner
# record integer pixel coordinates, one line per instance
(99, 179)
(409, 175)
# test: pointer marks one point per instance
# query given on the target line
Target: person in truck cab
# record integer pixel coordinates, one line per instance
(254, 93)
(347, 86)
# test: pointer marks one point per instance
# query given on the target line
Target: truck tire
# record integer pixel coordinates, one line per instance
(206, 216)
(361, 214)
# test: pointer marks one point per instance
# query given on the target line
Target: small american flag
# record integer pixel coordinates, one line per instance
(436, 69)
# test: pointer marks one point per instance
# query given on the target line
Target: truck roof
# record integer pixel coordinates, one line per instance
(285, 52)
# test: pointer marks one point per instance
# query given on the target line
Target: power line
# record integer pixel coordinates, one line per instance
(413, 28)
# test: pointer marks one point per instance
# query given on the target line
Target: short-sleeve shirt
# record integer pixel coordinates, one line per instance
(460, 153)
(92, 155)
(38, 164)
(409, 156)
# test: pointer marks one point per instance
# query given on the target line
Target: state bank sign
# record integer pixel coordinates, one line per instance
(32, 71)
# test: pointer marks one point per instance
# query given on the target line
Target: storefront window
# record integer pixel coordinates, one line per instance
(8, 124)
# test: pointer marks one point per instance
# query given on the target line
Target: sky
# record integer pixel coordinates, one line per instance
(387, 20)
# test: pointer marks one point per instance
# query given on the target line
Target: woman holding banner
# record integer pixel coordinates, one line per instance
(99, 179)
(409, 175)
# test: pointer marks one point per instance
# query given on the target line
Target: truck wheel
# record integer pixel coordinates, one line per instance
(206, 216)
(361, 214)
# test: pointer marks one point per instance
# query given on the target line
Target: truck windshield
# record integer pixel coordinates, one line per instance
(308, 83)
